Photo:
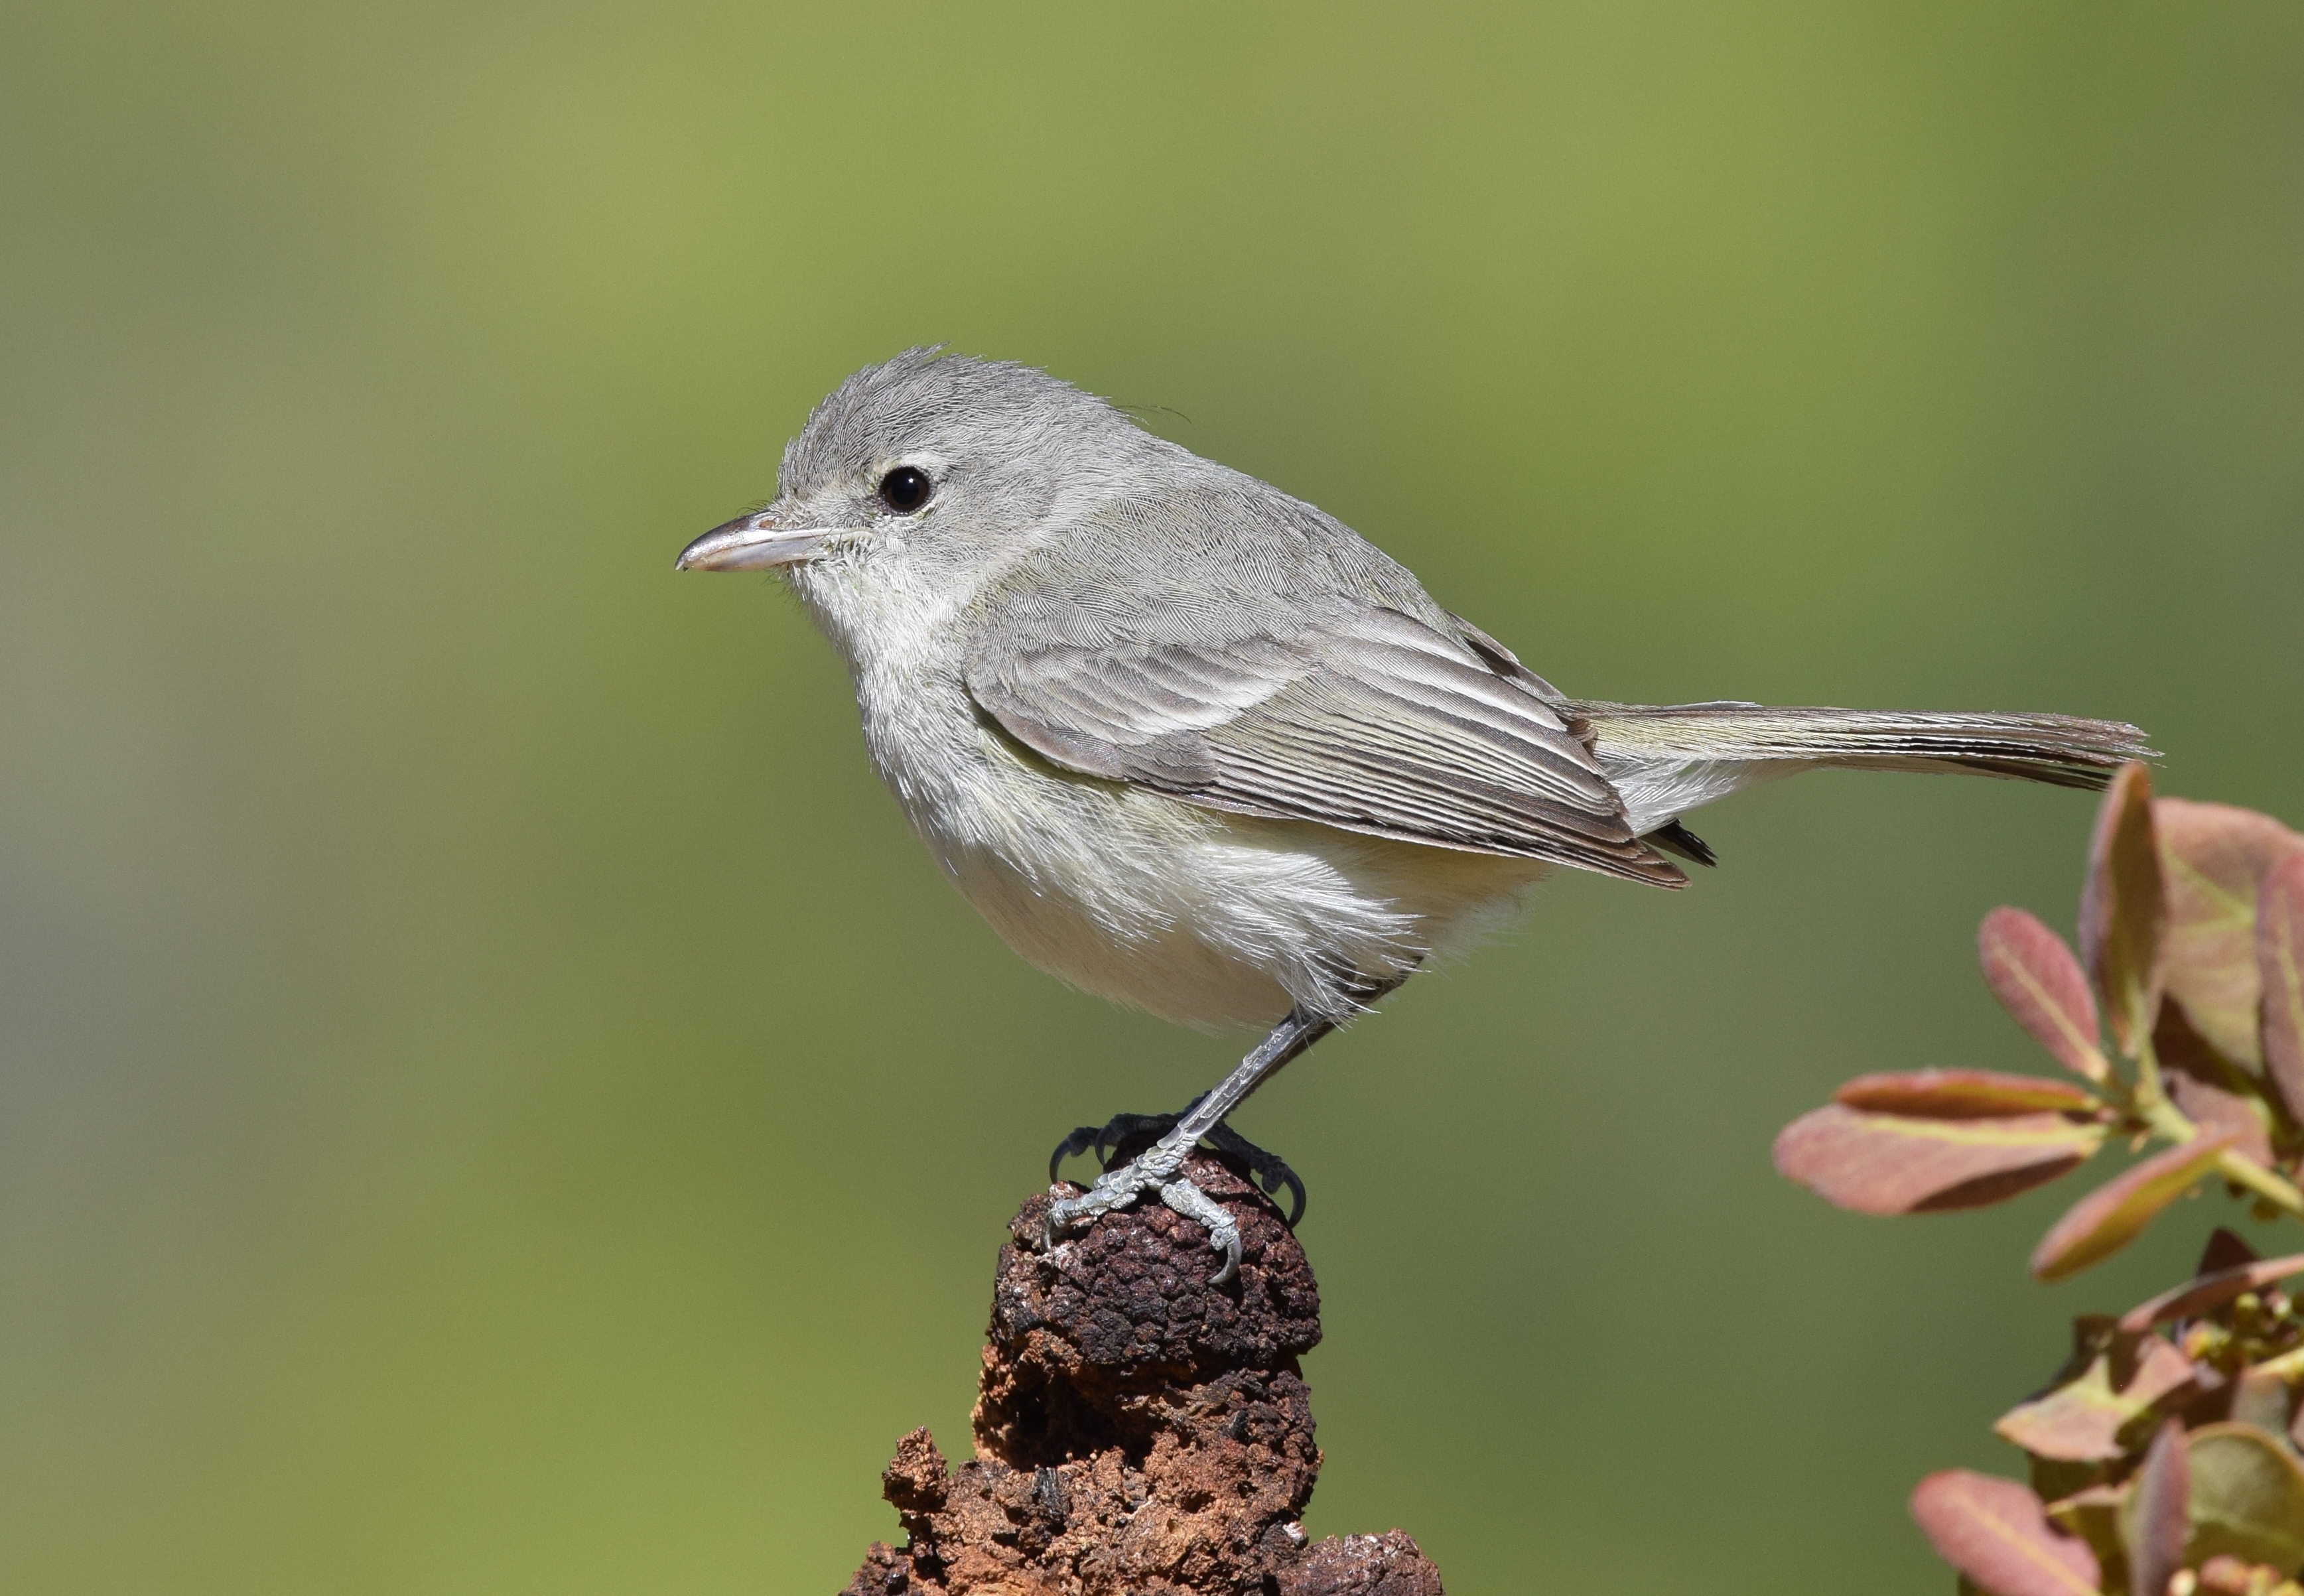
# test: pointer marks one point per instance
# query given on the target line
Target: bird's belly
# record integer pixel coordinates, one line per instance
(1164, 963)
(1205, 918)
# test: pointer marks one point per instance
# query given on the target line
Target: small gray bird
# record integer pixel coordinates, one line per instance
(1193, 746)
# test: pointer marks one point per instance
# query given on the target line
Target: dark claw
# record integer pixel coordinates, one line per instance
(1271, 1171)
(1124, 1136)
(1133, 1132)
(1083, 1138)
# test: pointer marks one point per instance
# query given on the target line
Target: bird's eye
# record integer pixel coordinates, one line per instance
(905, 489)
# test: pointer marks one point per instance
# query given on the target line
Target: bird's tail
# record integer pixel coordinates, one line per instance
(1670, 759)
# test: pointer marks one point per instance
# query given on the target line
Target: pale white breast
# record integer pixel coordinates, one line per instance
(1208, 918)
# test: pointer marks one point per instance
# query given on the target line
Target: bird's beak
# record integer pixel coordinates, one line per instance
(754, 543)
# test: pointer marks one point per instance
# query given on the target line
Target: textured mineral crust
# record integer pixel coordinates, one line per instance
(1139, 1430)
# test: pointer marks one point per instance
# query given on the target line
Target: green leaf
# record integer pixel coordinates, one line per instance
(1993, 1533)
(2041, 985)
(2122, 909)
(2114, 1214)
(2260, 1397)
(2247, 1497)
(2093, 1514)
(1963, 1094)
(2280, 968)
(1894, 1163)
(2214, 859)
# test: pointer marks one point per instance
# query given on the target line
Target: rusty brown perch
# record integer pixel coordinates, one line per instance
(1137, 1428)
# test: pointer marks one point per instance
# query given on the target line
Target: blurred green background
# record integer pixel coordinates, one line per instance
(495, 1101)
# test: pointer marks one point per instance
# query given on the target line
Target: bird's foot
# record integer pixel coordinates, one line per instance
(1126, 1136)
(1158, 1168)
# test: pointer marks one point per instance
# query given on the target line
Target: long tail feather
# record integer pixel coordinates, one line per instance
(1671, 758)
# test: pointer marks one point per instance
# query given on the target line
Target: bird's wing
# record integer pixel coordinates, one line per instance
(1366, 719)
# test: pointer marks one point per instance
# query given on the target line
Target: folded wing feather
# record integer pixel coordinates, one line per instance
(1365, 719)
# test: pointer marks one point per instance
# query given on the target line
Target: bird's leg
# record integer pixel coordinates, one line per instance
(1128, 1134)
(1124, 1136)
(1159, 1167)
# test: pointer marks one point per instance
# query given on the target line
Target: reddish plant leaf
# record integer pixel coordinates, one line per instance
(2122, 909)
(2081, 1421)
(2212, 1090)
(2160, 1369)
(2156, 1521)
(2040, 983)
(2216, 1111)
(2111, 1216)
(1963, 1094)
(2210, 1291)
(2213, 859)
(1993, 1532)
(2280, 967)
(2223, 1250)
(1894, 1163)
(2179, 1045)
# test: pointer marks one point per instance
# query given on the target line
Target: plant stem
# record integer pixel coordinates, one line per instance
(2149, 1088)
(2151, 1103)
(2243, 1171)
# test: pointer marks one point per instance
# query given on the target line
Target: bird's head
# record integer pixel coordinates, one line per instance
(932, 462)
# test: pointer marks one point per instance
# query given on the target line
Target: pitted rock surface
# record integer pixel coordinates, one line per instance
(1137, 1428)
(1386, 1564)
(1133, 1294)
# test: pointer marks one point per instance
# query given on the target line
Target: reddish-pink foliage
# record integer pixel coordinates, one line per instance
(1963, 1094)
(1897, 1163)
(2280, 968)
(1992, 1530)
(2081, 1421)
(2122, 908)
(2201, 1082)
(2161, 1523)
(2198, 1296)
(2214, 859)
(2040, 983)
(2110, 1217)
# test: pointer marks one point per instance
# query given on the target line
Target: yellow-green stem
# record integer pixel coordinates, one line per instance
(2243, 1171)
(2148, 1089)
(2150, 1101)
